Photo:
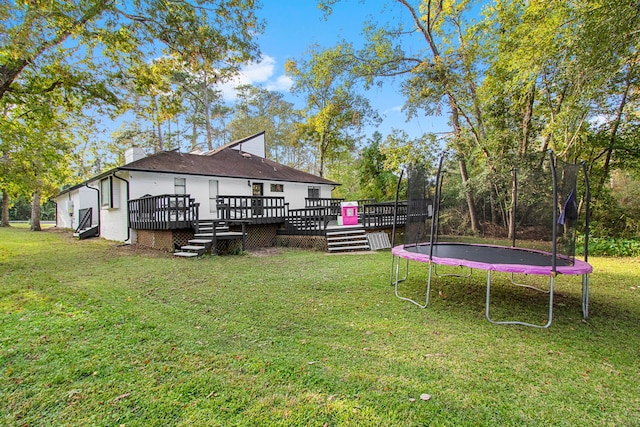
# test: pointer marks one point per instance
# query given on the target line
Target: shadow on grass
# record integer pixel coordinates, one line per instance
(467, 296)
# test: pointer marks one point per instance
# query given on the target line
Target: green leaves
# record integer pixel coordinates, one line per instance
(335, 111)
(61, 59)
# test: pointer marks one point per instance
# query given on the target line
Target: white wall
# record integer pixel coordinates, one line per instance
(64, 210)
(69, 205)
(198, 187)
(113, 220)
(255, 146)
(142, 183)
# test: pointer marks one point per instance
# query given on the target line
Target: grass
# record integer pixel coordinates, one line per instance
(93, 333)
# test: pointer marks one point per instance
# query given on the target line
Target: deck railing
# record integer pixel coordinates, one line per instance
(163, 212)
(381, 215)
(171, 211)
(309, 221)
(332, 204)
(256, 209)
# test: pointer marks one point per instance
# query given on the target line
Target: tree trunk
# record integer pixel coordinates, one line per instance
(5, 210)
(606, 169)
(194, 135)
(206, 109)
(526, 122)
(36, 210)
(158, 125)
(473, 216)
(322, 150)
(513, 207)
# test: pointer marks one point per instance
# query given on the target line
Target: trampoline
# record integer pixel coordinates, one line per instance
(422, 223)
(495, 258)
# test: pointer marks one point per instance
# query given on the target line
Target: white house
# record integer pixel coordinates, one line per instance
(235, 179)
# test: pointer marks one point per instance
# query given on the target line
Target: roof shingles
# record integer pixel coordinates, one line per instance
(224, 163)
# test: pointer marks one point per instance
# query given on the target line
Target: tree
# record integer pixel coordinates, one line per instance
(527, 76)
(443, 74)
(47, 36)
(196, 82)
(376, 181)
(259, 109)
(74, 55)
(567, 72)
(36, 145)
(334, 108)
(154, 98)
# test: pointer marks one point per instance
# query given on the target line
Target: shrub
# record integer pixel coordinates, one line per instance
(608, 246)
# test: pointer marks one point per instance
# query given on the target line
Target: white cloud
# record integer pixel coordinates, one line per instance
(282, 83)
(395, 109)
(258, 74)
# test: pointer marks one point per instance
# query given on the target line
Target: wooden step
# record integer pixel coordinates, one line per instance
(229, 235)
(355, 236)
(347, 239)
(199, 241)
(193, 248)
(210, 228)
(347, 248)
(87, 232)
(223, 235)
(347, 242)
(345, 232)
(186, 254)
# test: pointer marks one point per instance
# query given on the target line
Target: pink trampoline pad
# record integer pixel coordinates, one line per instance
(489, 257)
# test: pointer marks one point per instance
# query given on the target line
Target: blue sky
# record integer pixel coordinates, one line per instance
(292, 26)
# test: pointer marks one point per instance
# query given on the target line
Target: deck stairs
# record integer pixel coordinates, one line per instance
(85, 233)
(203, 239)
(347, 238)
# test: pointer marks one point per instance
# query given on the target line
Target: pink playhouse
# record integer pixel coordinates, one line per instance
(349, 212)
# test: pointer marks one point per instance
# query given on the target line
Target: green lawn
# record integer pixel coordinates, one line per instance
(95, 334)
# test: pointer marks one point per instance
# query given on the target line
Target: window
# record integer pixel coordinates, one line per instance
(109, 194)
(313, 192)
(277, 188)
(180, 185)
(105, 193)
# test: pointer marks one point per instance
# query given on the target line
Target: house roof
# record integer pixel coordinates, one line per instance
(224, 163)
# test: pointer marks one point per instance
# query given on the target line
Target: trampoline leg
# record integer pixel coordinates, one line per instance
(397, 280)
(513, 282)
(585, 296)
(406, 270)
(393, 264)
(511, 322)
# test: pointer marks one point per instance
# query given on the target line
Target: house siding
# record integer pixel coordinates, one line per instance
(113, 221)
(69, 206)
(154, 183)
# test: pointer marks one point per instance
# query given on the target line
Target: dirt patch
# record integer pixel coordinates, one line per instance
(125, 249)
(262, 252)
(57, 230)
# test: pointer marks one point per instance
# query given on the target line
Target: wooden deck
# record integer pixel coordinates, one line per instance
(175, 212)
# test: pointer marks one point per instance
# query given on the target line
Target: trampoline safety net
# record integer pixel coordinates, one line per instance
(543, 208)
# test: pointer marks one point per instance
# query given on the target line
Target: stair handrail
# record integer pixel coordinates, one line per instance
(86, 219)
